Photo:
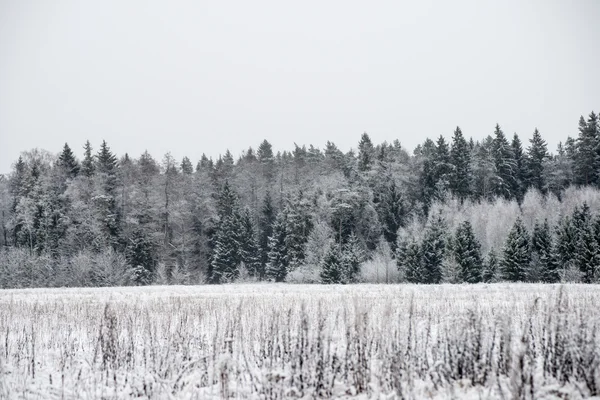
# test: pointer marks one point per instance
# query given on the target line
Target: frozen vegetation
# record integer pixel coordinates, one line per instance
(269, 341)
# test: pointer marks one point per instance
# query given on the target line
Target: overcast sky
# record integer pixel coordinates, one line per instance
(202, 77)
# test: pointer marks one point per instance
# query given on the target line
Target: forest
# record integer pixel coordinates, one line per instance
(454, 211)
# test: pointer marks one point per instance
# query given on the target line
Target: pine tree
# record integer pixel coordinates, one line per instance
(461, 174)
(467, 254)
(107, 161)
(537, 154)
(298, 226)
(412, 261)
(587, 251)
(226, 256)
(517, 257)
(490, 268)
(352, 258)
(277, 266)
(88, 166)
(432, 250)
(543, 254)
(392, 212)
(266, 159)
(365, 153)
(331, 266)
(141, 256)
(186, 166)
(504, 181)
(587, 160)
(68, 163)
(520, 174)
(250, 254)
(442, 168)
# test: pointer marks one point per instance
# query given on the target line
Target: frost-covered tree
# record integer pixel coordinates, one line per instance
(490, 267)
(504, 181)
(467, 254)
(332, 268)
(516, 253)
(461, 174)
(432, 249)
(537, 154)
(544, 261)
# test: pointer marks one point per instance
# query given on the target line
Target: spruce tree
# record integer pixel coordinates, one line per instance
(432, 250)
(67, 162)
(503, 183)
(537, 154)
(412, 261)
(461, 174)
(365, 153)
(266, 222)
(186, 166)
(587, 160)
(442, 167)
(249, 248)
(141, 256)
(490, 268)
(331, 266)
(277, 265)
(107, 161)
(587, 250)
(298, 227)
(227, 250)
(467, 254)
(520, 174)
(543, 253)
(517, 257)
(392, 211)
(352, 257)
(88, 166)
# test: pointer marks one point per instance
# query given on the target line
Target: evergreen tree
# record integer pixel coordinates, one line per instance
(141, 256)
(352, 258)
(537, 154)
(467, 254)
(587, 159)
(277, 266)
(520, 174)
(442, 167)
(226, 256)
(88, 166)
(412, 261)
(392, 212)
(266, 159)
(186, 166)
(249, 248)
(298, 227)
(543, 254)
(68, 163)
(587, 251)
(461, 174)
(432, 250)
(490, 268)
(365, 153)
(331, 266)
(266, 222)
(504, 182)
(517, 257)
(107, 161)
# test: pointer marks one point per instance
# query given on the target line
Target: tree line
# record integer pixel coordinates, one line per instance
(322, 213)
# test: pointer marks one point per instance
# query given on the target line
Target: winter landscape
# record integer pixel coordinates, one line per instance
(299, 200)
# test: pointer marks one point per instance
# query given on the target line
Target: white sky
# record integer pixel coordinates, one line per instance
(197, 76)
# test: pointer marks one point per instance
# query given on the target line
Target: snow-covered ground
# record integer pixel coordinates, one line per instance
(268, 341)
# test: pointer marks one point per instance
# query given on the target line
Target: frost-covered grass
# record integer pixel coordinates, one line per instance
(502, 341)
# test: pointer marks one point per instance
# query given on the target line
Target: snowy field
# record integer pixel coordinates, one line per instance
(266, 341)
